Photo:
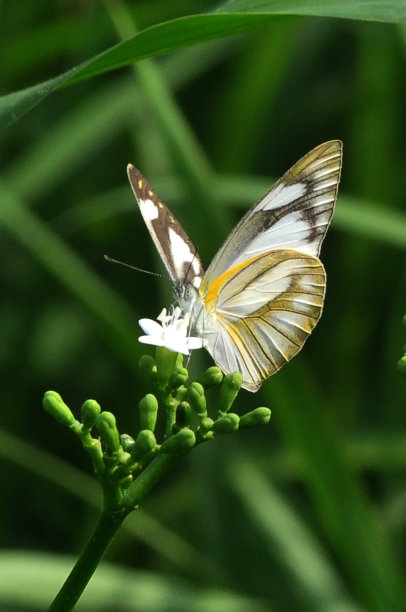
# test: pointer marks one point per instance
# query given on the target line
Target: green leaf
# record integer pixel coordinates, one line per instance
(112, 587)
(338, 497)
(392, 11)
(284, 533)
(234, 17)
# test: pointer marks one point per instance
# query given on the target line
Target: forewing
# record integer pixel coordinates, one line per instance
(259, 314)
(173, 244)
(294, 214)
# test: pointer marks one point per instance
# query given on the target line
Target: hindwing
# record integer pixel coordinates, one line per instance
(258, 315)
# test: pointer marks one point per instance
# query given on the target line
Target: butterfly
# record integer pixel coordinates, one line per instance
(263, 293)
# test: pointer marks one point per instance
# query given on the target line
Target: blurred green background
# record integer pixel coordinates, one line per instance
(307, 513)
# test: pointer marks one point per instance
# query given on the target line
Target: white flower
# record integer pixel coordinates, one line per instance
(172, 334)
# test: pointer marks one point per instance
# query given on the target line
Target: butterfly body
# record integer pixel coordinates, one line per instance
(263, 293)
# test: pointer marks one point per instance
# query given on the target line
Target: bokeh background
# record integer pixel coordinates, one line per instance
(307, 513)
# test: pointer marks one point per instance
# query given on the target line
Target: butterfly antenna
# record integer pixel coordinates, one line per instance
(122, 263)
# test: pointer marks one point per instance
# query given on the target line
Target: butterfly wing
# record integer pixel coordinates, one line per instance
(173, 244)
(294, 214)
(257, 315)
(263, 293)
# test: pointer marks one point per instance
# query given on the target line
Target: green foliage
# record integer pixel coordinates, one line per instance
(308, 513)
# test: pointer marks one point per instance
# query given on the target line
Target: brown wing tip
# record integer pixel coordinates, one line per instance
(138, 182)
(133, 173)
(333, 145)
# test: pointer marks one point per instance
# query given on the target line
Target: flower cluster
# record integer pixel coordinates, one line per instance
(173, 333)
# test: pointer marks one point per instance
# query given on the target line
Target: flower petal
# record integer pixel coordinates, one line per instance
(195, 343)
(177, 345)
(151, 340)
(150, 327)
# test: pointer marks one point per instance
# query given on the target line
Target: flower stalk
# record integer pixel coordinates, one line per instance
(128, 466)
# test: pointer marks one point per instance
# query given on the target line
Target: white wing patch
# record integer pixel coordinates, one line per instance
(289, 232)
(181, 252)
(252, 298)
(149, 210)
(294, 214)
(282, 195)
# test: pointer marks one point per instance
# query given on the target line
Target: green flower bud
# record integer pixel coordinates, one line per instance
(212, 376)
(89, 411)
(55, 406)
(106, 425)
(144, 443)
(148, 407)
(401, 365)
(404, 320)
(179, 361)
(228, 391)
(183, 414)
(181, 393)
(197, 399)
(147, 366)
(227, 424)
(207, 423)
(180, 443)
(127, 443)
(178, 378)
(204, 431)
(259, 416)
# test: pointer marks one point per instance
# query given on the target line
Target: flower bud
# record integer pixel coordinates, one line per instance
(212, 376)
(144, 443)
(259, 416)
(180, 443)
(227, 424)
(401, 365)
(183, 415)
(148, 407)
(106, 425)
(197, 399)
(178, 378)
(147, 366)
(55, 406)
(207, 423)
(127, 443)
(228, 391)
(204, 431)
(89, 411)
(181, 393)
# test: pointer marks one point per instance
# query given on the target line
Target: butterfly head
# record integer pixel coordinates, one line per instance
(186, 295)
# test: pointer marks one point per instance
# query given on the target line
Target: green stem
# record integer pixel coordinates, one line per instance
(149, 477)
(88, 561)
(102, 536)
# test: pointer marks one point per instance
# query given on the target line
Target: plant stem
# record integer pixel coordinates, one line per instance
(102, 536)
(149, 477)
(88, 561)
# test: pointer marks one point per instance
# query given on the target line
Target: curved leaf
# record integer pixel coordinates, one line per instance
(234, 17)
